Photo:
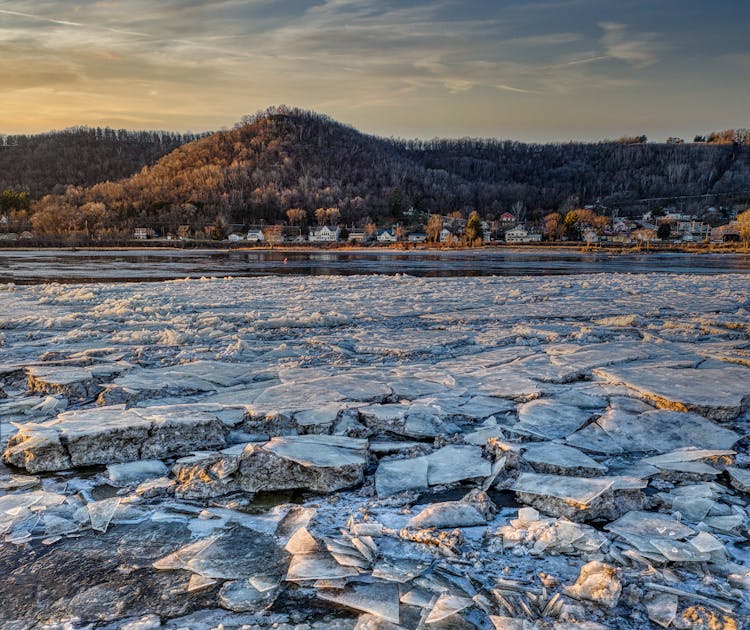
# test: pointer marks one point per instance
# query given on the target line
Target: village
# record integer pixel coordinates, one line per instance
(590, 225)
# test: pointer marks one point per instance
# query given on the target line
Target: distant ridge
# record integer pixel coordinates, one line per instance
(289, 158)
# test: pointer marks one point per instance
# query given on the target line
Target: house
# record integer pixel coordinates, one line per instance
(726, 233)
(589, 236)
(255, 236)
(445, 235)
(357, 235)
(521, 235)
(143, 233)
(507, 217)
(325, 234)
(235, 237)
(386, 236)
(417, 237)
(26, 235)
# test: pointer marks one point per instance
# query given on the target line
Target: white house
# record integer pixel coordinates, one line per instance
(589, 236)
(386, 236)
(445, 234)
(255, 236)
(235, 237)
(357, 235)
(143, 233)
(325, 234)
(417, 237)
(521, 235)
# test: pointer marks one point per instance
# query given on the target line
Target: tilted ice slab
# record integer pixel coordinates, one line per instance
(187, 378)
(549, 419)
(321, 463)
(579, 498)
(717, 393)
(447, 465)
(69, 380)
(110, 435)
(619, 431)
(549, 457)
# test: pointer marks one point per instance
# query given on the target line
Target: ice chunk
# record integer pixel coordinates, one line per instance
(598, 582)
(456, 463)
(101, 513)
(315, 462)
(659, 431)
(111, 435)
(317, 566)
(650, 525)
(69, 380)
(448, 514)
(136, 471)
(238, 553)
(397, 475)
(661, 608)
(580, 498)
(549, 419)
(549, 457)
(446, 606)
(301, 542)
(243, 596)
(719, 394)
(740, 478)
(379, 599)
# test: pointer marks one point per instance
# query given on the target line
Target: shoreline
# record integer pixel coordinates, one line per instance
(515, 248)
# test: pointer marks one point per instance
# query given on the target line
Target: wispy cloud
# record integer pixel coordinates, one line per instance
(639, 49)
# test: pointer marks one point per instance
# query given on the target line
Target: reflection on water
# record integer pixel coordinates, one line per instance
(29, 267)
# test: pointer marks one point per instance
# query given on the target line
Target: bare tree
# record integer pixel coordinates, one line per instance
(295, 215)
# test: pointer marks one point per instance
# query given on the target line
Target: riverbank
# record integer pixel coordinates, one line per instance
(399, 248)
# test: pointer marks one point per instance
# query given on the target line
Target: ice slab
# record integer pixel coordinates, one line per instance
(650, 525)
(380, 599)
(740, 478)
(579, 498)
(719, 394)
(110, 435)
(549, 419)
(550, 457)
(660, 431)
(317, 566)
(69, 380)
(456, 463)
(243, 596)
(397, 475)
(448, 514)
(136, 471)
(446, 606)
(320, 463)
(101, 513)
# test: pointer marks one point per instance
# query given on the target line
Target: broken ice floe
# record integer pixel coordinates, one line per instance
(416, 424)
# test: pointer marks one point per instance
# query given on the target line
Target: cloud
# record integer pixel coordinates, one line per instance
(638, 49)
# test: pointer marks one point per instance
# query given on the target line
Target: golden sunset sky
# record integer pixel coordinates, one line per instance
(557, 70)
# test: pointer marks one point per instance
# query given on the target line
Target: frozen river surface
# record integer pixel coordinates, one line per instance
(376, 452)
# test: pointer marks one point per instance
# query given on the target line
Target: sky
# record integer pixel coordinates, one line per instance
(541, 70)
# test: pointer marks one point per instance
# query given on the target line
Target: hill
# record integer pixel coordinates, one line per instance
(45, 163)
(284, 159)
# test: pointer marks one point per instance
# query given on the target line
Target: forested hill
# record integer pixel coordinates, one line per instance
(49, 162)
(284, 159)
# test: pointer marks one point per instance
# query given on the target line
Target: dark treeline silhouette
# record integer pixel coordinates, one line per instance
(287, 158)
(80, 156)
